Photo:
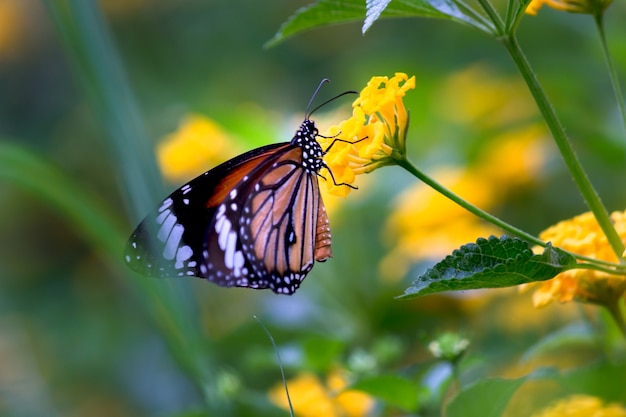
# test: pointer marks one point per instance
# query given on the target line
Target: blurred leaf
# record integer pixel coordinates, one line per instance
(21, 167)
(327, 12)
(92, 52)
(488, 397)
(393, 390)
(321, 353)
(576, 334)
(604, 380)
(490, 263)
(191, 413)
(101, 228)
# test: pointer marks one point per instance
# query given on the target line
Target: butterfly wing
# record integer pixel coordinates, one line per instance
(170, 241)
(256, 221)
(270, 238)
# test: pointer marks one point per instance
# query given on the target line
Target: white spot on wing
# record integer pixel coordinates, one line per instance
(223, 232)
(229, 255)
(161, 217)
(239, 261)
(166, 227)
(166, 203)
(183, 253)
(173, 241)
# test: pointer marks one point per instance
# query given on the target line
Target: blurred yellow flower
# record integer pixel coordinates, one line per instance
(198, 145)
(592, 7)
(312, 398)
(477, 98)
(378, 127)
(582, 235)
(582, 406)
(12, 26)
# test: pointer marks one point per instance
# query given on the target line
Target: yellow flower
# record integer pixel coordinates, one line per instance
(582, 235)
(582, 406)
(592, 7)
(312, 398)
(378, 127)
(198, 145)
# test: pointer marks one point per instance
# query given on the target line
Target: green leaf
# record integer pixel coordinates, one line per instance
(490, 263)
(327, 12)
(393, 390)
(485, 398)
(490, 397)
(320, 353)
(579, 335)
(605, 380)
(374, 9)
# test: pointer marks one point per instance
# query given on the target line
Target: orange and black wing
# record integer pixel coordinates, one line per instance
(256, 221)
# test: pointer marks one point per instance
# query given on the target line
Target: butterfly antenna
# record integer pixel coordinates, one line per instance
(317, 90)
(324, 81)
(269, 335)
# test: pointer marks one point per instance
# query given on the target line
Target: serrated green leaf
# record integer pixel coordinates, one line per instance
(392, 389)
(374, 10)
(490, 263)
(328, 12)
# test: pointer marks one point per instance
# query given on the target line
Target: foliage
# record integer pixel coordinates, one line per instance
(83, 111)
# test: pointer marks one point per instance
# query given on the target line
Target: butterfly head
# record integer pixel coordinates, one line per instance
(312, 151)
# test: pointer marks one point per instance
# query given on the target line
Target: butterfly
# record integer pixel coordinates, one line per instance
(256, 221)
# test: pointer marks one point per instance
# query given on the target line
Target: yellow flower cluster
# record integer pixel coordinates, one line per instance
(582, 406)
(312, 398)
(198, 145)
(425, 224)
(592, 7)
(582, 235)
(377, 127)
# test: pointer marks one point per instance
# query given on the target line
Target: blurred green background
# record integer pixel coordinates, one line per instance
(80, 335)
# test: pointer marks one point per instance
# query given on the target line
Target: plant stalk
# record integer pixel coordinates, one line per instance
(579, 176)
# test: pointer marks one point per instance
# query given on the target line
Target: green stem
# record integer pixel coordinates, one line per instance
(612, 269)
(595, 264)
(616, 314)
(599, 19)
(493, 16)
(406, 164)
(92, 52)
(569, 156)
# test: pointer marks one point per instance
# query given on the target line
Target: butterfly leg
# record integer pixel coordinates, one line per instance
(341, 140)
(333, 178)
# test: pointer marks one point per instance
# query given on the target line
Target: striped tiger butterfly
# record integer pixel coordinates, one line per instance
(256, 221)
